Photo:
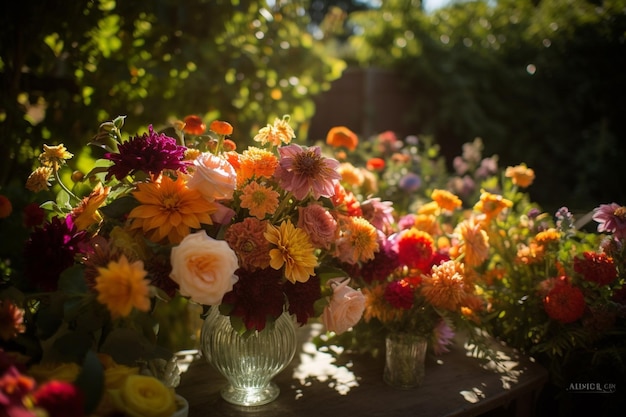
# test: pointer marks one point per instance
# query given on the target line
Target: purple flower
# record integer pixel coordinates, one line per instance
(303, 169)
(442, 337)
(151, 153)
(611, 219)
(50, 250)
(410, 182)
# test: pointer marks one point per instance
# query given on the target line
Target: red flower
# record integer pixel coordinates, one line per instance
(194, 125)
(564, 302)
(5, 207)
(400, 294)
(415, 249)
(596, 267)
(60, 399)
(375, 164)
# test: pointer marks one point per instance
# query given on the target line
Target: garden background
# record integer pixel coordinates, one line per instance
(540, 82)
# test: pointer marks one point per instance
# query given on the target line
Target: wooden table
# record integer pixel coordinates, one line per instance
(322, 384)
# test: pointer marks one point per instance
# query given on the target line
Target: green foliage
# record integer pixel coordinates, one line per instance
(534, 79)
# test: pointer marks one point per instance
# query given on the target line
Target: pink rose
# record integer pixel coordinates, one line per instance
(319, 224)
(345, 308)
(214, 177)
(204, 268)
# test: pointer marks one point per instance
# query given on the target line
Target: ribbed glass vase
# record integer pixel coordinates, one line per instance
(248, 362)
(405, 357)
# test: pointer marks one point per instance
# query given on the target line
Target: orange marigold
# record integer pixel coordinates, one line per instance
(193, 125)
(339, 136)
(491, 204)
(446, 200)
(445, 286)
(221, 128)
(546, 237)
(521, 175)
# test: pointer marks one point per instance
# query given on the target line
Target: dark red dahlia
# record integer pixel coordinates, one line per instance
(60, 399)
(302, 297)
(400, 294)
(159, 270)
(256, 296)
(33, 215)
(596, 267)
(564, 302)
(383, 264)
(50, 250)
(151, 153)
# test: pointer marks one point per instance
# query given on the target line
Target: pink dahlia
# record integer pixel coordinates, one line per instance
(151, 153)
(303, 169)
(319, 224)
(611, 219)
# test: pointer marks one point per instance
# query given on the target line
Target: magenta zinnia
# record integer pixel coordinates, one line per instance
(151, 153)
(303, 169)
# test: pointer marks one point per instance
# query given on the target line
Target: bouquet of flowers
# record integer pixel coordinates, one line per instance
(260, 232)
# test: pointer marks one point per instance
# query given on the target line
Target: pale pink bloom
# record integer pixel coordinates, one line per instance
(319, 224)
(379, 213)
(214, 177)
(223, 215)
(443, 336)
(345, 308)
(303, 169)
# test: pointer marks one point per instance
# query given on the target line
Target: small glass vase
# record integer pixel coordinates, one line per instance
(248, 362)
(405, 357)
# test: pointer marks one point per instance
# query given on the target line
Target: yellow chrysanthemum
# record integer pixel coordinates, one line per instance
(293, 250)
(445, 287)
(54, 156)
(547, 237)
(376, 307)
(446, 200)
(278, 133)
(38, 179)
(350, 174)
(431, 208)
(521, 175)
(169, 210)
(361, 237)
(473, 242)
(491, 204)
(259, 200)
(122, 286)
(86, 213)
(427, 223)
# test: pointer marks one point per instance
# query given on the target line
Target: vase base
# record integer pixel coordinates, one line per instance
(250, 397)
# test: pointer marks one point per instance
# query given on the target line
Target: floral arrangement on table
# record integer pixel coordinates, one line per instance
(258, 232)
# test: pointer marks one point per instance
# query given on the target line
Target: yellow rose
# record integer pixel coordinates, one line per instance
(66, 372)
(116, 375)
(144, 396)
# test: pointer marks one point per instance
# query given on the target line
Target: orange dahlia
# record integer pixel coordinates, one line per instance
(168, 209)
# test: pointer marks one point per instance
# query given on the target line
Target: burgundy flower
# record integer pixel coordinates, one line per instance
(33, 215)
(400, 294)
(50, 250)
(611, 219)
(384, 263)
(263, 284)
(60, 399)
(302, 297)
(596, 267)
(151, 153)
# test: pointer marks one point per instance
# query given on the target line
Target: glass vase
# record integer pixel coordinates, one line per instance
(405, 356)
(248, 362)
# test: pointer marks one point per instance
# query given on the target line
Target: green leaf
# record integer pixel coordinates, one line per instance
(91, 381)
(72, 281)
(119, 207)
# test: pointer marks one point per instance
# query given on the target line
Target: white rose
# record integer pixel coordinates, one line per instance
(345, 308)
(204, 268)
(214, 177)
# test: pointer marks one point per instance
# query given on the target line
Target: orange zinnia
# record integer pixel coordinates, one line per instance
(221, 128)
(194, 125)
(342, 136)
(256, 163)
(122, 286)
(492, 204)
(446, 200)
(169, 210)
(521, 175)
(375, 164)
